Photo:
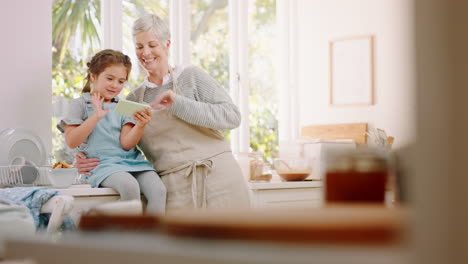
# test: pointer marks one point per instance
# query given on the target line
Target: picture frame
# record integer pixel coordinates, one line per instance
(351, 71)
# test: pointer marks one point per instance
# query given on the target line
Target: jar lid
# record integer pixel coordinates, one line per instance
(360, 161)
(370, 164)
(368, 160)
(344, 163)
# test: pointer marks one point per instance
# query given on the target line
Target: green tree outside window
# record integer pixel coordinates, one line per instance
(75, 38)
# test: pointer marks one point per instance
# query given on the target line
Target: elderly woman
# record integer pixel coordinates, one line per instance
(183, 142)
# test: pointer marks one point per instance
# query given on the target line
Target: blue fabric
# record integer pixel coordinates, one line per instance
(104, 143)
(33, 198)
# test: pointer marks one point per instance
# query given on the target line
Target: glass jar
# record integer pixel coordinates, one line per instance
(248, 162)
(262, 172)
(359, 176)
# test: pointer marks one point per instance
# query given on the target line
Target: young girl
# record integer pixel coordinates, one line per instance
(92, 126)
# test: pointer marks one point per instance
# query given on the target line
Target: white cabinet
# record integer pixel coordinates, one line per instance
(286, 194)
(305, 194)
(87, 197)
(267, 194)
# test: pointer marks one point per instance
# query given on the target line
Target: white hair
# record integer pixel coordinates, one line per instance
(152, 23)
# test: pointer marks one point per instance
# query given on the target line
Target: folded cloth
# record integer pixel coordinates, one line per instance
(15, 220)
(33, 198)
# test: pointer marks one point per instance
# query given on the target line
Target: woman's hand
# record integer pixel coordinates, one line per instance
(97, 100)
(83, 164)
(166, 99)
(143, 117)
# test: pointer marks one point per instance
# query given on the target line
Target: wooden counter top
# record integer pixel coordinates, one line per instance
(343, 223)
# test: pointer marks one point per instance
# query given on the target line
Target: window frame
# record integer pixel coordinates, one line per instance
(180, 25)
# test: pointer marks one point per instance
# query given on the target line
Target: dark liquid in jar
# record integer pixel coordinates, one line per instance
(353, 186)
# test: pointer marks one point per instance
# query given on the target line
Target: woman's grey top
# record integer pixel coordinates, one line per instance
(204, 102)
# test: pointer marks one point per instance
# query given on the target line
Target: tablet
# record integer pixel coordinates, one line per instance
(128, 108)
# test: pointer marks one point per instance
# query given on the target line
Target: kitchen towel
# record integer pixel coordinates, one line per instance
(33, 198)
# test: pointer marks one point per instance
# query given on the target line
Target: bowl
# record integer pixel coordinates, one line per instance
(292, 169)
(62, 178)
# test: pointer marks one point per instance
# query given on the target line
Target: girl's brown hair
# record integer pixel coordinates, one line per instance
(101, 61)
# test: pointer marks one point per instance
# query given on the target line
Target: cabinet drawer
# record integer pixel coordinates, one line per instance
(294, 197)
(291, 194)
(83, 203)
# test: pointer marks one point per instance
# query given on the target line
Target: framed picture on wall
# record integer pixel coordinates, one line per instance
(351, 71)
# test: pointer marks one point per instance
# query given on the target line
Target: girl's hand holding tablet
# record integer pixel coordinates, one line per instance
(143, 117)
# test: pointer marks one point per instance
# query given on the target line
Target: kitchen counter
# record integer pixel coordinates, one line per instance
(86, 190)
(276, 193)
(86, 197)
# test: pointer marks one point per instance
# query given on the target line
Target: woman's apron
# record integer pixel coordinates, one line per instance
(195, 163)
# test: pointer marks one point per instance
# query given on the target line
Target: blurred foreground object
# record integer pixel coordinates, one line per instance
(123, 222)
(132, 207)
(345, 224)
(358, 176)
(120, 215)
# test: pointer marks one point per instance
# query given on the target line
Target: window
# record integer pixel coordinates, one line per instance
(74, 38)
(263, 122)
(214, 37)
(132, 9)
(209, 42)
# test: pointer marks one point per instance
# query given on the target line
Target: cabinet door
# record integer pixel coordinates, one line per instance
(83, 203)
(297, 197)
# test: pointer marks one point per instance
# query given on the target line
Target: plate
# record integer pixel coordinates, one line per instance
(21, 143)
(26, 168)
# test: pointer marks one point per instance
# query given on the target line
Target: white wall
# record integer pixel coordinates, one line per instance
(25, 68)
(390, 22)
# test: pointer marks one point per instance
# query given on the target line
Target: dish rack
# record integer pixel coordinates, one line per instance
(23, 175)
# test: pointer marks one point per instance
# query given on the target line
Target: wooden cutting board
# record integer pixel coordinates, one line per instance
(350, 224)
(355, 131)
(90, 222)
